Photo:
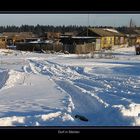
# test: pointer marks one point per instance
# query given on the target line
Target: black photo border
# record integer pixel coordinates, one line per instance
(72, 7)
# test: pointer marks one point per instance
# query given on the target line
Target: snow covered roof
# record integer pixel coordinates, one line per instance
(101, 32)
(83, 37)
(115, 32)
(111, 30)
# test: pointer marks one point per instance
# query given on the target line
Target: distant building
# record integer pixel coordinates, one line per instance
(77, 44)
(105, 38)
(13, 37)
(132, 36)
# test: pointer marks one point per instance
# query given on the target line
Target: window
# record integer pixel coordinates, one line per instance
(121, 40)
(105, 40)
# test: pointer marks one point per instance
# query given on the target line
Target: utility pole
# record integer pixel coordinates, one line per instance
(130, 29)
(88, 25)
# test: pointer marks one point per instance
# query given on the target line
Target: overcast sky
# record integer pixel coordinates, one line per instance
(69, 19)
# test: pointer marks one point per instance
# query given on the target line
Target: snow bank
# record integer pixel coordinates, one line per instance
(45, 119)
(50, 89)
(11, 121)
(50, 116)
(132, 110)
(126, 49)
(14, 76)
(67, 117)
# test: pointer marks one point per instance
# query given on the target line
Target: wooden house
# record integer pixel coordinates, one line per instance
(132, 36)
(13, 37)
(104, 39)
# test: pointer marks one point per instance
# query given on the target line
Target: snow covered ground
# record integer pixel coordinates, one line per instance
(50, 89)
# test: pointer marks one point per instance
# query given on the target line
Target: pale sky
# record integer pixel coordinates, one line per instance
(69, 19)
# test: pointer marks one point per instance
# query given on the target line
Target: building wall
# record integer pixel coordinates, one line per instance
(98, 44)
(120, 41)
(2, 42)
(18, 37)
(38, 47)
(116, 40)
(132, 41)
(57, 46)
(33, 47)
(85, 48)
(107, 42)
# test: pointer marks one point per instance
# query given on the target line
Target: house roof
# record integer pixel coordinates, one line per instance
(114, 32)
(132, 32)
(105, 32)
(10, 34)
(100, 32)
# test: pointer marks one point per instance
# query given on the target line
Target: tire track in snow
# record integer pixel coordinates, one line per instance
(91, 94)
(3, 77)
(84, 102)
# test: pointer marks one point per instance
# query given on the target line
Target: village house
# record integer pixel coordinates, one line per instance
(132, 36)
(105, 38)
(13, 37)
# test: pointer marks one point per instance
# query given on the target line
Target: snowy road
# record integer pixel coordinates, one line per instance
(50, 89)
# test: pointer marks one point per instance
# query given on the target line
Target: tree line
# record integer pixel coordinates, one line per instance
(41, 29)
